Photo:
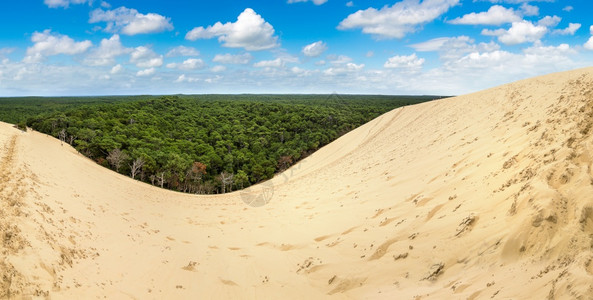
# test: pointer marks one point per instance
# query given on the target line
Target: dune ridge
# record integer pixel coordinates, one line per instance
(486, 195)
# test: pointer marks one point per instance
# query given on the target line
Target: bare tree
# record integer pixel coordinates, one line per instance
(284, 162)
(116, 158)
(226, 178)
(62, 136)
(161, 178)
(193, 176)
(136, 166)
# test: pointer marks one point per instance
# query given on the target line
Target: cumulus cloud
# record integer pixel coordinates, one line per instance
(47, 43)
(188, 64)
(568, 8)
(454, 47)
(314, 49)
(556, 57)
(570, 30)
(276, 63)
(397, 20)
(108, 50)
(520, 32)
(250, 32)
(130, 21)
(339, 59)
(529, 10)
(116, 69)
(146, 72)
(589, 44)
(144, 57)
(62, 3)
(410, 62)
(349, 4)
(549, 21)
(343, 69)
(227, 58)
(183, 51)
(496, 15)
(218, 68)
(316, 2)
(183, 78)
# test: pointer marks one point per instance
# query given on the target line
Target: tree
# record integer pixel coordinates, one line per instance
(226, 178)
(284, 162)
(136, 166)
(62, 136)
(161, 178)
(116, 158)
(241, 179)
(194, 176)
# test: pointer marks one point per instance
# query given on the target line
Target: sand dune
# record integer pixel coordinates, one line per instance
(487, 195)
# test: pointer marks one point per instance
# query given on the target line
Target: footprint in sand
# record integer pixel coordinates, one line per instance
(228, 282)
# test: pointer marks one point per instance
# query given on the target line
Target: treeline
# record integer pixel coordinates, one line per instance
(16, 110)
(213, 143)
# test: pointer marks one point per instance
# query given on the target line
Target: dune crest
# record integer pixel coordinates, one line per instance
(486, 195)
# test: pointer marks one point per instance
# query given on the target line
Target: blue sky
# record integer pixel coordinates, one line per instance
(94, 47)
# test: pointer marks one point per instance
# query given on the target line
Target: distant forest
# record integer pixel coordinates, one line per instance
(199, 144)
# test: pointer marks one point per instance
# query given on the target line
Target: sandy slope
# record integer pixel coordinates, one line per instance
(488, 195)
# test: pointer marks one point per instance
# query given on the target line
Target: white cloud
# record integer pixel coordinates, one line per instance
(116, 69)
(130, 21)
(344, 69)
(520, 32)
(104, 4)
(240, 59)
(301, 72)
(454, 47)
(108, 50)
(314, 49)
(316, 2)
(496, 15)
(397, 20)
(370, 53)
(529, 10)
(213, 79)
(339, 60)
(276, 63)
(540, 50)
(188, 64)
(431, 45)
(62, 3)
(47, 43)
(549, 21)
(570, 30)
(146, 72)
(349, 4)
(516, 1)
(568, 8)
(183, 78)
(144, 57)
(410, 62)
(183, 51)
(218, 68)
(589, 44)
(250, 31)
